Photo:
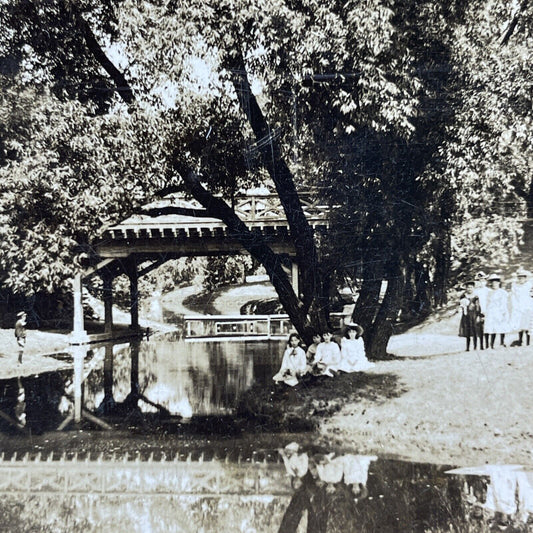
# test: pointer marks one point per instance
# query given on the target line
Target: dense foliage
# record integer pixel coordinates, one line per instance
(412, 118)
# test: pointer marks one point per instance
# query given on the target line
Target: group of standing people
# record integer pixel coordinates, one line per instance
(324, 357)
(489, 311)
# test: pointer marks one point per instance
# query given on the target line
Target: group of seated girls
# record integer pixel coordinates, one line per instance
(324, 356)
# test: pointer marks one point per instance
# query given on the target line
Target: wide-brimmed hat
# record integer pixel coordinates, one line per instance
(522, 272)
(481, 275)
(356, 327)
(292, 447)
(494, 277)
(21, 313)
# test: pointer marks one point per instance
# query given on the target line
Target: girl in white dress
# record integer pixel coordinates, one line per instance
(497, 316)
(293, 364)
(521, 305)
(353, 357)
(327, 356)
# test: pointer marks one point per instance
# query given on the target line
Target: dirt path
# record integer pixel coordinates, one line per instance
(465, 408)
(231, 300)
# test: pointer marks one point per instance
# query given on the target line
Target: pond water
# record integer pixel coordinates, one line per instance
(213, 483)
(166, 373)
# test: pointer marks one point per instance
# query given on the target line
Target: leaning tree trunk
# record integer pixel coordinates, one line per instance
(301, 231)
(320, 307)
(382, 329)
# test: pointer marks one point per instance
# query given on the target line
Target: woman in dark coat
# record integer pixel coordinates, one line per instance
(471, 325)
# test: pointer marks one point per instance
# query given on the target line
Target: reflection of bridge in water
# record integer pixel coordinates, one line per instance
(179, 476)
(117, 496)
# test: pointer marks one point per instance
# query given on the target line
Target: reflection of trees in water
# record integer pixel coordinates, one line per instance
(200, 377)
(122, 373)
(38, 398)
(353, 493)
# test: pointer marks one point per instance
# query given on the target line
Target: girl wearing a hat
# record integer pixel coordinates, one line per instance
(497, 316)
(521, 305)
(471, 326)
(353, 357)
(482, 292)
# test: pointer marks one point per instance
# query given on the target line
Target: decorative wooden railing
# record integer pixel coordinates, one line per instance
(224, 326)
(263, 213)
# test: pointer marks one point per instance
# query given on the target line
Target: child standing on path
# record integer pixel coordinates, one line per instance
(471, 326)
(497, 311)
(521, 305)
(20, 333)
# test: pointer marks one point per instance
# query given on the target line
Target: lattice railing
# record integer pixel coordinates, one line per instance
(268, 207)
(110, 476)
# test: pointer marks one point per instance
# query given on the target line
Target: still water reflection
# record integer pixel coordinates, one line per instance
(293, 489)
(296, 487)
(165, 374)
(185, 378)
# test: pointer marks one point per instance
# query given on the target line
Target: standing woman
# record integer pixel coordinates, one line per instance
(471, 325)
(497, 316)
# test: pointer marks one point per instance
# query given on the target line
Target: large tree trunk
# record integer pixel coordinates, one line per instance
(382, 329)
(320, 308)
(441, 252)
(367, 303)
(301, 232)
(217, 208)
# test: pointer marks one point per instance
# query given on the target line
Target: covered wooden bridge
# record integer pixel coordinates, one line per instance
(175, 227)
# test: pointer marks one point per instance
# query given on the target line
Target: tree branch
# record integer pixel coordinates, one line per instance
(217, 208)
(513, 23)
(122, 86)
(301, 231)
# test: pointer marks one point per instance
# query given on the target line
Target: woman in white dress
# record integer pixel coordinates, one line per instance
(497, 316)
(293, 364)
(353, 357)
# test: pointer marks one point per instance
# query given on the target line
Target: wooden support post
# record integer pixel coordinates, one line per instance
(78, 354)
(108, 373)
(95, 420)
(79, 335)
(133, 276)
(108, 302)
(294, 277)
(65, 422)
(134, 376)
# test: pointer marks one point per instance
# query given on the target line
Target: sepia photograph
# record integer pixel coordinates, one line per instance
(266, 266)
